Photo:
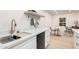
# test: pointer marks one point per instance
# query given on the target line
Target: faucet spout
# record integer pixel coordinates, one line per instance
(13, 25)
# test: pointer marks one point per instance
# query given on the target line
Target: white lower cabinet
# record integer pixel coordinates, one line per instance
(47, 37)
(76, 40)
(32, 42)
(28, 44)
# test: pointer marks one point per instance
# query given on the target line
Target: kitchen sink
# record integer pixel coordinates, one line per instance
(11, 38)
(8, 39)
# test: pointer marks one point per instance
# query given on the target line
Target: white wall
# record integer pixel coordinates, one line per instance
(46, 21)
(70, 18)
(22, 21)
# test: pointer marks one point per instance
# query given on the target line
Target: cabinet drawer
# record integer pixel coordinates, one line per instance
(77, 38)
(29, 44)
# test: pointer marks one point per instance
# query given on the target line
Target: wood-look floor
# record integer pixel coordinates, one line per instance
(61, 42)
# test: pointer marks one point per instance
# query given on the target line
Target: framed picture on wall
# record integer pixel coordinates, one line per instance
(62, 21)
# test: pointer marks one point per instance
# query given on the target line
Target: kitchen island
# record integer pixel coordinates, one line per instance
(32, 41)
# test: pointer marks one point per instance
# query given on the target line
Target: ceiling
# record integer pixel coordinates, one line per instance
(54, 12)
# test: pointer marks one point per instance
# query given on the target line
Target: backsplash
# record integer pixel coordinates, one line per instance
(22, 21)
(8, 15)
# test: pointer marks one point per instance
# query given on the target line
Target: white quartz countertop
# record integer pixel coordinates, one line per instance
(33, 32)
(76, 30)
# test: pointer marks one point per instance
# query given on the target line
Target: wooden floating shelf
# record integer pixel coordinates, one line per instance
(33, 14)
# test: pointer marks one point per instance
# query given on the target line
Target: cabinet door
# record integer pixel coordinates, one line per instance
(47, 37)
(77, 37)
(76, 40)
(29, 44)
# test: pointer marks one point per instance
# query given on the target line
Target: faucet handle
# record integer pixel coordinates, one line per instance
(15, 24)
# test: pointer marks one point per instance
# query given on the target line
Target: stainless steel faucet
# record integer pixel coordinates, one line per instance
(13, 25)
